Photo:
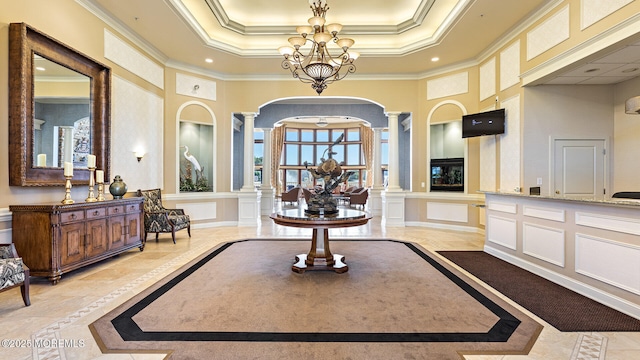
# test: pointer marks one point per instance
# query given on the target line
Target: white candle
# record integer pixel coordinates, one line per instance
(68, 169)
(99, 176)
(42, 160)
(91, 161)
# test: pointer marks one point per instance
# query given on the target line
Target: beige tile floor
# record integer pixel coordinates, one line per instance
(64, 311)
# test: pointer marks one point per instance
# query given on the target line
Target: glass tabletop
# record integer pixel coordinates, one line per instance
(299, 214)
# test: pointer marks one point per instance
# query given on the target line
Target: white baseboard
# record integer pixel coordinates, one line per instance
(589, 291)
(445, 226)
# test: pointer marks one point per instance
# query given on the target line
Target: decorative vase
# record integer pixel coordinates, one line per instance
(118, 188)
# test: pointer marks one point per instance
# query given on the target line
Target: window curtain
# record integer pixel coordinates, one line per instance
(277, 144)
(367, 150)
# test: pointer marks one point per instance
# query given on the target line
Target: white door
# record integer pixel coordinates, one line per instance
(579, 169)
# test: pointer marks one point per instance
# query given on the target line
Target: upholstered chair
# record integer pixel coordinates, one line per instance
(307, 194)
(13, 272)
(158, 219)
(291, 196)
(359, 197)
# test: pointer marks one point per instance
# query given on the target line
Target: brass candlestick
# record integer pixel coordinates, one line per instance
(91, 197)
(67, 189)
(100, 191)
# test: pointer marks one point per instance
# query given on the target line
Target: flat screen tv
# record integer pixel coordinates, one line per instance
(484, 123)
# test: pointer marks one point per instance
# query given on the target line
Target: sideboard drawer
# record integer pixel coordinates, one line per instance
(96, 213)
(71, 216)
(116, 210)
(133, 208)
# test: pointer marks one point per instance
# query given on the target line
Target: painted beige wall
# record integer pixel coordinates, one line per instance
(626, 135)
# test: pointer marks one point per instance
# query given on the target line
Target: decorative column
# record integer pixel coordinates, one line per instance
(267, 190)
(248, 152)
(393, 197)
(248, 197)
(375, 204)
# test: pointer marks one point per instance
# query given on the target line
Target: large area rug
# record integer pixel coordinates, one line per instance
(242, 301)
(565, 309)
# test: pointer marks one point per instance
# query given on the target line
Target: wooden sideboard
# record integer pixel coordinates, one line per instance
(54, 239)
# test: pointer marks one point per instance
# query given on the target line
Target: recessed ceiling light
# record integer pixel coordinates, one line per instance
(435, 58)
(209, 60)
(626, 71)
(591, 70)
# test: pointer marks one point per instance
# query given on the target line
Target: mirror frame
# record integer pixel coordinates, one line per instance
(24, 42)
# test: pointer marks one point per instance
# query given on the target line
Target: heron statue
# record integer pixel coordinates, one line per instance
(190, 158)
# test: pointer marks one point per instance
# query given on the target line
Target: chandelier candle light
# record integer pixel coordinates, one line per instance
(319, 68)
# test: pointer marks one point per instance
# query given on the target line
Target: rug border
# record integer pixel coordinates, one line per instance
(419, 250)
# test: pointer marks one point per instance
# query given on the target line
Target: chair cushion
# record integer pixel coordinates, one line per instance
(11, 272)
(179, 221)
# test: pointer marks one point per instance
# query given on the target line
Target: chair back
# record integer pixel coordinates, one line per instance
(152, 200)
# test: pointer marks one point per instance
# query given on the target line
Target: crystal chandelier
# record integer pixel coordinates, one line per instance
(318, 67)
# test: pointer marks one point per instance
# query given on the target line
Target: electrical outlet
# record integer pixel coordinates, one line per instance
(539, 181)
(422, 184)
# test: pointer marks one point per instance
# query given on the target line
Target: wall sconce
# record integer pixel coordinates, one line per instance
(632, 106)
(139, 155)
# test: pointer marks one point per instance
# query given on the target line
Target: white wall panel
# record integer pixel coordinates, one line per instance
(138, 115)
(550, 33)
(544, 243)
(129, 58)
(592, 11)
(199, 211)
(195, 87)
(609, 261)
(503, 207)
(6, 236)
(488, 163)
(510, 147)
(607, 222)
(448, 86)
(502, 231)
(447, 212)
(488, 79)
(553, 214)
(510, 66)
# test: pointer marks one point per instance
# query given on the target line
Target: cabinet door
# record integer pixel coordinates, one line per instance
(116, 231)
(97, 238)
(133, 221)
(72, 243)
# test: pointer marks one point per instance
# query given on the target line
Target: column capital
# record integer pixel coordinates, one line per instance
(393, 113)
(249, 114)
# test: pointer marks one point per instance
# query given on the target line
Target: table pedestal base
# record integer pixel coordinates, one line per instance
(338, 266)
(320, 257)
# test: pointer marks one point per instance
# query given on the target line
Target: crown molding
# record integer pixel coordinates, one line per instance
(118, 26)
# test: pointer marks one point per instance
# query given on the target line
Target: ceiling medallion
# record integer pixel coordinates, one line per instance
(318, 67)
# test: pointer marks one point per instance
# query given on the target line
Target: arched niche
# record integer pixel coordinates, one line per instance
(196, 160)
(447, 149)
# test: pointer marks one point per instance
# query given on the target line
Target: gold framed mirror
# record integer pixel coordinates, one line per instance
(78, 85)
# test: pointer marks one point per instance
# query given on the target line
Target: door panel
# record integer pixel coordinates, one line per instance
(579, 169)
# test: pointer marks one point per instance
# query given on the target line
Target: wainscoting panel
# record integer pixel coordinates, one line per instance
(503, 207)
(612, 223)
(502, 231)
(488, 80)
(553, 214)
(448, 212)
(199, 211)
(544, 243)
(609, 261)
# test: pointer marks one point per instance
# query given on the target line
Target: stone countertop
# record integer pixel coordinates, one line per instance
(609, 202)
